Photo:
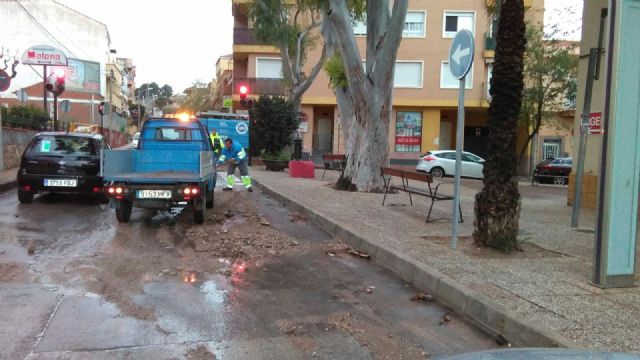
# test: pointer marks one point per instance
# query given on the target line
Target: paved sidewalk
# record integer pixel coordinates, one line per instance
(546, 287)
(8, 179)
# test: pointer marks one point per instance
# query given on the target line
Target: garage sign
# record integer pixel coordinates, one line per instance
(595, 123)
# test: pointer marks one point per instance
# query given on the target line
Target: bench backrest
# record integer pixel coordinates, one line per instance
(409, 175)
(329, 157)
(417, 176)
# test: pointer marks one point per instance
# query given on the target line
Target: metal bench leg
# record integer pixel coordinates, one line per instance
(386, 189)
(430, 209)
(460, 210)
(324, 172)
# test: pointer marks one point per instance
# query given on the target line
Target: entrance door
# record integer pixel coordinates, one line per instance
(325, 135)
(445, 135)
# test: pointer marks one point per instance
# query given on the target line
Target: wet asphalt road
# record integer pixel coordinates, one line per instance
(75, 284)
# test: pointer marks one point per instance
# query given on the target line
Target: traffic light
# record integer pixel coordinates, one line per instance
(244, 100)
(101, 108)
(57, 86)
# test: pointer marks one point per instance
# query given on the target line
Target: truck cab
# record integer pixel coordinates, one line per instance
(171, 167)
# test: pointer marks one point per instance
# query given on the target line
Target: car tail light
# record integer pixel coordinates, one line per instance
(429, 158)
(116, 191)
(26, 188)
(96, 189)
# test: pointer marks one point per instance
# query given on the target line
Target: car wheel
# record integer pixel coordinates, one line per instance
(123, 212)
(210, 199)
(558, 180)
(25, 197)
(437, 172)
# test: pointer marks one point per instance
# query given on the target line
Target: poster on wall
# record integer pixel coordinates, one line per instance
(81, 75)
(408, 131)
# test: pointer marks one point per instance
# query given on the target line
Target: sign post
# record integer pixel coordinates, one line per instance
(461, 57)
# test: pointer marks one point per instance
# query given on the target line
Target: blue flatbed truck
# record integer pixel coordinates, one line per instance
(173, 166)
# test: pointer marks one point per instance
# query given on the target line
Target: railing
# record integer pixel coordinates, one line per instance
(260, 86)
(489, 42)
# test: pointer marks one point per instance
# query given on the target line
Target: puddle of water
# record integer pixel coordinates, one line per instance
(212, 294)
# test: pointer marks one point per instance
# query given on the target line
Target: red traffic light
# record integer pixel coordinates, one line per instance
(101, 108)
(244, 90)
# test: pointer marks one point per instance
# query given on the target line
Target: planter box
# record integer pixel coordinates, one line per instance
(276, 165)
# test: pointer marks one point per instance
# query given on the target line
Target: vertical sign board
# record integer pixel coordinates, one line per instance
(595, 123)
(618, 208)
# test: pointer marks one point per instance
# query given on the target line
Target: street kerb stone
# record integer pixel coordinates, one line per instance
(461, 300)
(451, 293)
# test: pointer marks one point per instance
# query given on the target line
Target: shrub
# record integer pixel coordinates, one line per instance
(27, 117)
(273, 121)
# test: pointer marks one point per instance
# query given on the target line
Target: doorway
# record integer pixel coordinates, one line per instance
(323, 139)
(445, 135)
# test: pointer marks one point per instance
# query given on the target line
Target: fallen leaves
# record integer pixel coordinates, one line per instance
(422, 297)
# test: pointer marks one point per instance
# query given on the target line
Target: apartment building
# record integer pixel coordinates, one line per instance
(425, 93)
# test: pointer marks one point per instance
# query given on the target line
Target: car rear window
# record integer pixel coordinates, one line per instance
(167, 134)
(63, 146)
(447, 155)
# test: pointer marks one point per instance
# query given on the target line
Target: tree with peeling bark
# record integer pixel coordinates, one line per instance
(550, 73)
(290, 26)
(497, 206)
(369, 87)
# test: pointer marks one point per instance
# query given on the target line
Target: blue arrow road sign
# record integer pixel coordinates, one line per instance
(65, 106)
(461, 54)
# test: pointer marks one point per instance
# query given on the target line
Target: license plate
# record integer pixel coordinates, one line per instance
(154, 194)
(61, 182)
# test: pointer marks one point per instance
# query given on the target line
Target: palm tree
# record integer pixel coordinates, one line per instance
(497, 207)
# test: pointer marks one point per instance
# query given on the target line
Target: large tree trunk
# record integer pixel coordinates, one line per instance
(497, 207)
(371, 89)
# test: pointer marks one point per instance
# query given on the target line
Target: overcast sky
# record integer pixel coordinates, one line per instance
(179, 42)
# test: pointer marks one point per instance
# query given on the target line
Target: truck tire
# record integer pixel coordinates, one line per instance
(25, 197)
(123, 211)
(210, 199)
(200, 208)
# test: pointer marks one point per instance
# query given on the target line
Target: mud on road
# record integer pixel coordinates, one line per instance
(255, 281)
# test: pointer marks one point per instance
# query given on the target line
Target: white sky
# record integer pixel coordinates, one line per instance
(178, 42)
(170, 42)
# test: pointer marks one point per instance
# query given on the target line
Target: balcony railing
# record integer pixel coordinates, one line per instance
(489, 42)
(260, 86)
(243, 36)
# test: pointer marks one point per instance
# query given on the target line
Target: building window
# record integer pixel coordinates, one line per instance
(269, 68)
(414, 24)
(408, 131)
(448, 81)
(455, 21)
(408, 74)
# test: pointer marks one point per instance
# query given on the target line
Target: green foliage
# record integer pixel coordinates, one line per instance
(198, 98)
(334, 67)
(162, 94)
(273, 121)
(282, 155)
(550, 71)
(27, 117)
(135, 107)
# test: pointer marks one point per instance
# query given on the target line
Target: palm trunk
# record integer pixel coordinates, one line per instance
(497, 207)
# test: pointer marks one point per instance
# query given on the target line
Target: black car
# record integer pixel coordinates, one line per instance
(554, 171)
(61, 163)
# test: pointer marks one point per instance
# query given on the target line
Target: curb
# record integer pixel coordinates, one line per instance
(4, 187)
(490, 317)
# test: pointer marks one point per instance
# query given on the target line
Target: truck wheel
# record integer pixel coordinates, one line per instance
(198, 216)
(123, 212)
(25, 197)
(210, 199)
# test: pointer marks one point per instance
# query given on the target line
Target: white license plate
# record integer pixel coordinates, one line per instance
(154, 194)
(61, 182)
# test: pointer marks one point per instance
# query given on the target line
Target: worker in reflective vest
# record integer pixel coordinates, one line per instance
(216, 141)
(234, 156)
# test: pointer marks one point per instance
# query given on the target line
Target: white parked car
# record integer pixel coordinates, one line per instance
(441, 163)
(134, 142)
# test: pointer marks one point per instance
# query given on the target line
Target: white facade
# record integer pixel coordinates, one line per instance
(26, 23)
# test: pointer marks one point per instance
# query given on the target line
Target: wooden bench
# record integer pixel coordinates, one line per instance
(334, 162)
(428, 191)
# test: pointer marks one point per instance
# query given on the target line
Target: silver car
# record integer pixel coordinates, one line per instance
(134, 142)
(440, 163)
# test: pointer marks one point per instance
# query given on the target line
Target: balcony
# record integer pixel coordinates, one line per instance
(260, 86)
(245, 43)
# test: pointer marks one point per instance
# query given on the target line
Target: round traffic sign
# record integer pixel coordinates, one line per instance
(65, 106)
(461, 54)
